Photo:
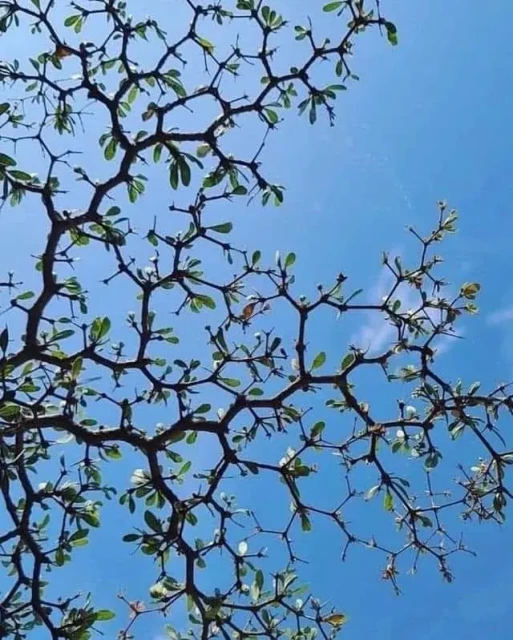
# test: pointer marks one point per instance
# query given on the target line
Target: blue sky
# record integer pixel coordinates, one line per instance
(428, 120)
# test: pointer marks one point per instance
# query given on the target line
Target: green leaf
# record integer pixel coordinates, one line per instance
(20, 175)
(259, 579)
(104, 614)
(8, 411)
(272, 116)
(226, 227)
(473, 388)
(319, 360)
(7, 161)
(205, 44)
(426, 522)
(91, 518)
(254, 592)
(212, 179)
(157, 152)
(306, 525)
(256, 587)
(313, 113)
(62, 335)
(131, 537)
(79, 537)
(206, 300)
(60, 558)
(76, 368)
(317, 429)
(290, 259)
(173, 175)
(256, 392)
(203, 150)
(113, 453)
(152, 521)
(132, 94)
(99, 329)
(185, 172)
(110, 149)
(348, 361)
(388, 501)
(332, 6)
(203, 408)
(391, 33)
(184, 468)
(398, 444)
(4, 339)
(70, 20)
(431, 460)
(192, 437)
(230, 382)
(252, 467)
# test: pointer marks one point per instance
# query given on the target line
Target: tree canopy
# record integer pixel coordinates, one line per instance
(163, 413)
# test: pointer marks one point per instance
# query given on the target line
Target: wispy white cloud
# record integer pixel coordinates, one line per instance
(446, 342)
(500, 317)
(377, 333)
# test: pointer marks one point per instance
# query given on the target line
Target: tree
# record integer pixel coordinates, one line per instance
(80, 389)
